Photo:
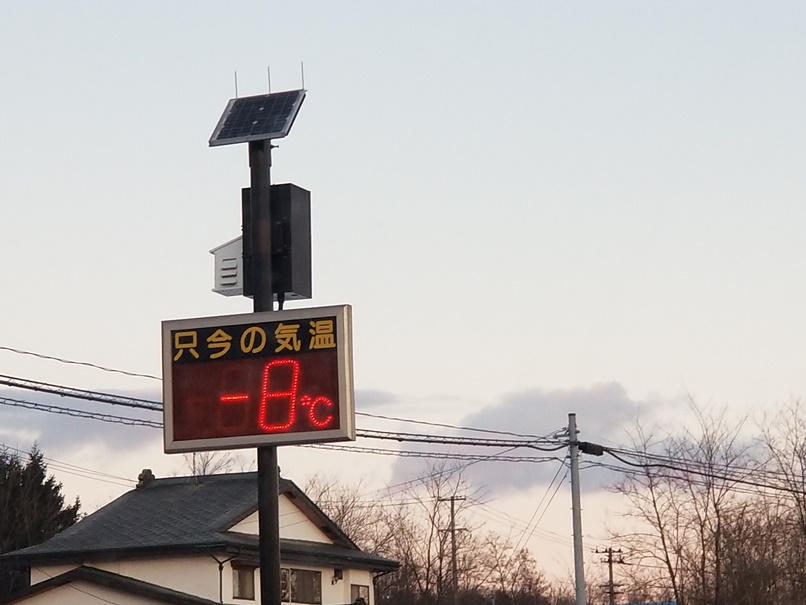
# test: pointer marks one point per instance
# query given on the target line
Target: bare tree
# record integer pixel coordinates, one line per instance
(784, 441)
(684, 506)
(410, 527)
(210, 463)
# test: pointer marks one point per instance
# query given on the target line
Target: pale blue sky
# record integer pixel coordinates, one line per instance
(515, 197)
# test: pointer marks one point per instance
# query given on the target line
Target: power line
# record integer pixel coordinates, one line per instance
(21, 403)
(435, 455)
(400, 437)
(72, 469)
(551, 437)
(710, 474)
(692, 466)
(543, 499)
(79, 363)
(499, 516)
(693, 479)
(445, 440)
(397, 488)
(152, 405)
(74, 393)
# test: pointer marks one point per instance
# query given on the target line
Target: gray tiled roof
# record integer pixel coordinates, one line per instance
(185, 515)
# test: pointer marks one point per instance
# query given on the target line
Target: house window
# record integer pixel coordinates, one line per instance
(359, 593)
(243, 583)
(301, 586)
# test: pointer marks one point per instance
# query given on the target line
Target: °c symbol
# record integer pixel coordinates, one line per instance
(311, 404)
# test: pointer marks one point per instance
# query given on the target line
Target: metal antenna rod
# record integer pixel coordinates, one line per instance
(302, 73)
(236, 84)
(268, 75)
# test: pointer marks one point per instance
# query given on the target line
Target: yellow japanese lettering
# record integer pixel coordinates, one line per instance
(286, 335)
(253, 340)
(185, 341)
(322, 336)
(219, 340)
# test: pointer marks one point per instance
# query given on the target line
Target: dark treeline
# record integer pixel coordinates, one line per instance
(32, 509)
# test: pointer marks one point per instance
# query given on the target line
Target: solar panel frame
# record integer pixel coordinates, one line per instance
(257, 118)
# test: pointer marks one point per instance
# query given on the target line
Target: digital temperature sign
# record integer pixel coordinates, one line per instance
(277, 378)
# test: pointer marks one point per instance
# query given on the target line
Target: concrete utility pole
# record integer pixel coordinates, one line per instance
(576, 511)
(452, 529)
(611, 586)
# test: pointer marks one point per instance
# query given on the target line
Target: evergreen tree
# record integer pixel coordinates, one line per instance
(32, 508)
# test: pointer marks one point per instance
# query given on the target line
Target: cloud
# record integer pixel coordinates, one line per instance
(368, 398)
(604, 414)
(62, 431)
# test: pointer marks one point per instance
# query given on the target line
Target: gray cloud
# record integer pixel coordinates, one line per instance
(57, 432)
(604, 413)
(368, 398)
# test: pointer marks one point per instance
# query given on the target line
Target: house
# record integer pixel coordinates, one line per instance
(194, 541)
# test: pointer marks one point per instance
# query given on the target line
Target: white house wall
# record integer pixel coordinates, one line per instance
(294, 524)
(199, 576)
(333, 592)
(193, 575)
(81, 593)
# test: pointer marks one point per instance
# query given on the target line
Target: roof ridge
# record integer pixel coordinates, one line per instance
(189, 479)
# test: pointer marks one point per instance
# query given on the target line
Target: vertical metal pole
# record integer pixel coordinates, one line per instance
(268, 474)
(576, 511)
(260, 191)
(268, 503)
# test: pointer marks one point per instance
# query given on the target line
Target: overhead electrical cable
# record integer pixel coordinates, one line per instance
(400, 437)
(79, 363)
(396, 488)
(702, 473)
(691, 465)
(695, 480)
(74, 393)
(540, 504)
(437, 455)
(72, 469)
(503, 518)
(153, 405)
(21, 403)
(551, 499)
(445, 440)
(644, 459)
(551, 437)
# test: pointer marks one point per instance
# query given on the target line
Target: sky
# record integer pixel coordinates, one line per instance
(534, 209)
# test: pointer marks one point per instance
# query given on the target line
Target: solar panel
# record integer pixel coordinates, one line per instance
(257, 118)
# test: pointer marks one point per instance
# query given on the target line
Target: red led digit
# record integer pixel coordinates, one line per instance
(291, 394)
(311, 404)
(233, 398)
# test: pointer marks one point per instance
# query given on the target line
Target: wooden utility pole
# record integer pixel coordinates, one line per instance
(453, 529)
(609, 559)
